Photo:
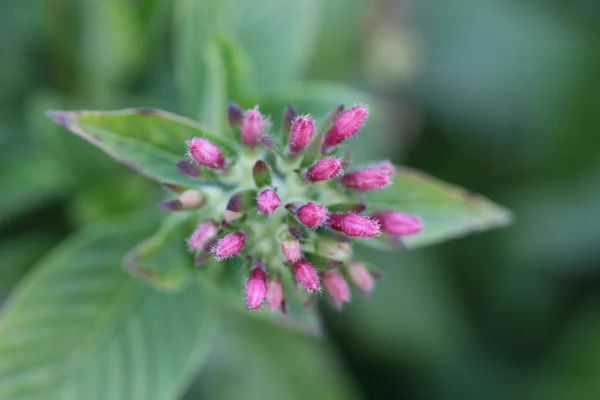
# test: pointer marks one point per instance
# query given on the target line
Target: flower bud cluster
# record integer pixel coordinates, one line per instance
(285, 210)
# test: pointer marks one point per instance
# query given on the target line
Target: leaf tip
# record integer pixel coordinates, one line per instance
(60, 117)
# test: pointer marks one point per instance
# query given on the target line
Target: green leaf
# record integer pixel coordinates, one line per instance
(163, 260)
(270, 362)
(447, 211)
(149, 141)
(79, 327)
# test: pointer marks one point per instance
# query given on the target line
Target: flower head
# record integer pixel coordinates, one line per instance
(253, 127)
(256, 288)
(312, 214)
(204, 234)
(360, 276)
(230, 245)
(324, 169)
(347, 124)
(267, 201)
(398, 223)
(301, 133)
(365, 180)
(205, 153)
(306, 275)
(274, 293)
(337, 288)
(354, 225)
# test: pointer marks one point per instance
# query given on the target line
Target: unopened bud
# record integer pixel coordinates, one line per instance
(191, 198)
(261, 172)
(365, 180)
(234, 114)
(337, 288)
(306, 275)
(398, 223)
(256, 288)
(203, 235)
(230, 245)
(267, 201)
(302, 131)
(312, 214)
(290, 247)
(274, 293)
(253, 127)
(360, 276)
(323, 170)
(207, 154)
(354, 225)
(383, 167)
(347, 124)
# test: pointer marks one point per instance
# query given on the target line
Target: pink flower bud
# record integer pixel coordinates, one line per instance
(301, 134)
(234, 114)
(323, 170)
(204, 234)
(398, 223)
(383, 167)
(347, 124)
(306, 275)
(365, 180)
(253, 127)
(290, 247)
(337, 288)
(354, 225)
(205, 153)
(312, 214)
(360, 277)
(274, 293)
(267, 201)
(256, 288)
(289, 115)
(191, 198)
(230, 245)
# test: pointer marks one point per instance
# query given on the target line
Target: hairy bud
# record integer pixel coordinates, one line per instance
(354, 225)
(302, 131)
(274, 293)
(256, 288)
(203, 235)
(205, 153)
(234, 114)
(398, 223)
(323, 170)
(365, 180)
(383, 167)
(290, 247)
(306, 275)
(360, 276)
(267, 201)
(191, 198)
(312, 214)
(230, 245)
(253, 127)
(337, 288)
(347, 124)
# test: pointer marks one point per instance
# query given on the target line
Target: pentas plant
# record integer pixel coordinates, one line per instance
(289, 204)
(279, 218)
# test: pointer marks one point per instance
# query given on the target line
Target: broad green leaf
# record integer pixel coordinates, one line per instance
(447, 211)
(269, 362)
(164, 260)
(79, 327)
(149, 141)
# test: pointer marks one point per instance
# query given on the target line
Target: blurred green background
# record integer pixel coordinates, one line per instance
(502, 97)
